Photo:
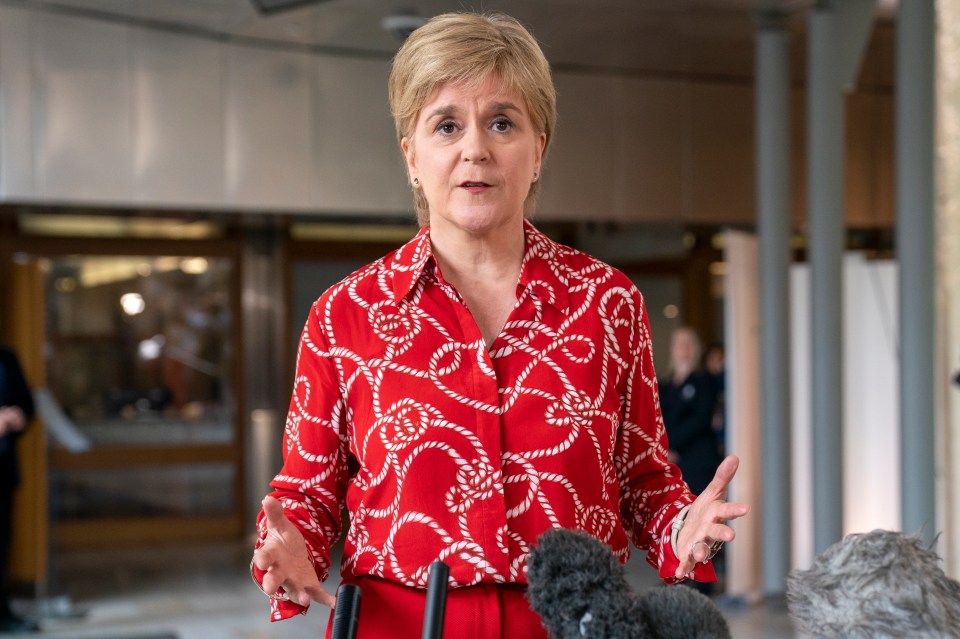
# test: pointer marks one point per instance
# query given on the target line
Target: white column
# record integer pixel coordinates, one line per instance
(947, 265)
(742, 340)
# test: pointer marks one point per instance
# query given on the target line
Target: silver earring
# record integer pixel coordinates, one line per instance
(535, 175)
(416, 182)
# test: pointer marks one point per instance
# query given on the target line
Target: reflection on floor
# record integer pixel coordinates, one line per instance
(205, 592)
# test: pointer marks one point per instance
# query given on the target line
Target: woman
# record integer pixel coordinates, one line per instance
(478, 386)
(688, 399)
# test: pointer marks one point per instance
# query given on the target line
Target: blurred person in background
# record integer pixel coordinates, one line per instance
(688, 398)
(16, 412)
(714, 363)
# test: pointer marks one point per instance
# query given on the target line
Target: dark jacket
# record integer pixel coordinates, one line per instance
(13, 392)
(688, 417)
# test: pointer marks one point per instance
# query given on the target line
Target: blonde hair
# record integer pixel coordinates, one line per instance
(469, 48)
(695, 347)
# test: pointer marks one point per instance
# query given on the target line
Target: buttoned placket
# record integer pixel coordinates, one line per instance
(483, 377)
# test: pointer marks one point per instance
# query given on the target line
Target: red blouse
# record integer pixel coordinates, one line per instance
(441, 448)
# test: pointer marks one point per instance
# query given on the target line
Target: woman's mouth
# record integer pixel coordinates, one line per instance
(474, 187)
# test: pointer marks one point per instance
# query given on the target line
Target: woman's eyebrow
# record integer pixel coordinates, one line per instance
(505, 106)
(450, 109)
(443, 111)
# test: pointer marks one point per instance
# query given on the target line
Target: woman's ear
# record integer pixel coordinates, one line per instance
(406, 147)
(538, 158)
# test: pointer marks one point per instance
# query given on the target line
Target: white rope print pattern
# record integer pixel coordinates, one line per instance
(440, 448)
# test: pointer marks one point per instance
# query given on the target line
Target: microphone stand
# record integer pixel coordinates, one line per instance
(436, 600)
(346, 612)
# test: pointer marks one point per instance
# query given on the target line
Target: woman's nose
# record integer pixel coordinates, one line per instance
(474, 145)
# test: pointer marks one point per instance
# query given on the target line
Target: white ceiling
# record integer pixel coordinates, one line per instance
(705, 38)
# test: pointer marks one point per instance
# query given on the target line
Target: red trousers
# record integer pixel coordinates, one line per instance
(391, 611)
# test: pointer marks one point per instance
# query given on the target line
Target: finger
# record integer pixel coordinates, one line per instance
(727, 469)
(263, 558)
(303, 596)
(272, 580)
(719, 532)
(297, 596)
(719, 511)
(321, 596)
(273, 512)
(686, 562)
(722, 478)
(686, 565)
(724, 511)
(699, 551)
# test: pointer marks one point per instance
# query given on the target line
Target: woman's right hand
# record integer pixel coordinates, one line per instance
(283, 557)
(12, 420)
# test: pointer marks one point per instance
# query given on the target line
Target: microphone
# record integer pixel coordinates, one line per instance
(580, 591)
(346, 612)
(681, 611)
(436, 600)
(883, 583)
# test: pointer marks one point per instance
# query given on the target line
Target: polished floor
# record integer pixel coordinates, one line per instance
(204, 592)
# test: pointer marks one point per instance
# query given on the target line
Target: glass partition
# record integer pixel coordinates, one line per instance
(139, 357)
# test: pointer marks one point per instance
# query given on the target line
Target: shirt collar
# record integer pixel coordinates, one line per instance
(543, 273)
(408, 263)
(540, 273)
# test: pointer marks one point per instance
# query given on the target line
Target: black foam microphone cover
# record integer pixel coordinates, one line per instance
(681, 612)
(346, 613)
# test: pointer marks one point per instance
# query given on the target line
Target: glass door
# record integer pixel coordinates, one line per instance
(141, 362)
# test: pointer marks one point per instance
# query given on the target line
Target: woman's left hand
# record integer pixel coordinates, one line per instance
(706, 521)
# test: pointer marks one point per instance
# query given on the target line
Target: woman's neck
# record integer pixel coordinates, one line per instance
(485, 270)
(468, 259)
(681, 373)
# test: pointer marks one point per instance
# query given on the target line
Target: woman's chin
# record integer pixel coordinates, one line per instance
(478, 222)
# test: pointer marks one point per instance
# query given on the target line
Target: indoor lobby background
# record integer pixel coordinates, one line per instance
(181, 179)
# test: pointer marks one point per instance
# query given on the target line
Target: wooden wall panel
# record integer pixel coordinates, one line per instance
(29, 554)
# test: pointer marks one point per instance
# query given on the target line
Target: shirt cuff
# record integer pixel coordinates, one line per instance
(279, 609)
(284, 609)
(670, 563)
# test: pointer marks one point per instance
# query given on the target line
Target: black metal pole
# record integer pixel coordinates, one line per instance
(436, 600)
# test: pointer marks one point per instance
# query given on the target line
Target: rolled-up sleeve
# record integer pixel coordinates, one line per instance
(652, 491)
(312, 483)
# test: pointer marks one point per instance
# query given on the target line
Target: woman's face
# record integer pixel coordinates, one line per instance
(683, 350)
(475, 153)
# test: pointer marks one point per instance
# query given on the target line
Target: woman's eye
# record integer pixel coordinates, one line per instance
(502, 125)
(446, 127)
